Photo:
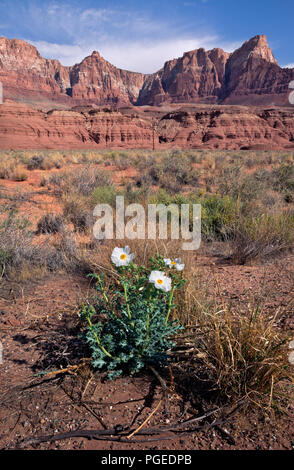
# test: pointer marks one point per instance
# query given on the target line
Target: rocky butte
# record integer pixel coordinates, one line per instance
(204, 99)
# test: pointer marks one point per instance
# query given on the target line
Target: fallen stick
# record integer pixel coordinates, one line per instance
(146, 420)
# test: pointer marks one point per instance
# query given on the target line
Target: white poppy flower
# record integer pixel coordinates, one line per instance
(291, 358)
(122, 256)
(176, 263)
(160, 281)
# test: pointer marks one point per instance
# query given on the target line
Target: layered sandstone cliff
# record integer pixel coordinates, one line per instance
(194, 126)
(22, 127)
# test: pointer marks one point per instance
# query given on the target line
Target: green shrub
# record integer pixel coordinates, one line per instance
(104, 195)
(217, 213)
(284, 178)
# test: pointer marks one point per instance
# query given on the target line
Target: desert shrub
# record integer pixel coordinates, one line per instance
(23, 256)
(138, 330)
(76, 211)
(122, 161)
(17, 247)
(144, 162)
(50, 223)
(261, 237)
(81, 181)
(284, 178)
(105, 195)
(35, 162)
(57, 180)
(271, 202)
(217, 213)
(77, 192)
(172, 172)
(235, 183)
(144, 181)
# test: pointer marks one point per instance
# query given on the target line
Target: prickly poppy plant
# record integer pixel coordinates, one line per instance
(137, 329)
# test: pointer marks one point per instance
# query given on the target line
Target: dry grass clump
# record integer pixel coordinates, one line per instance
(19, 174)
(258, 238)
(242, 354)
(76, 210)
(12, 169)
(7, 166)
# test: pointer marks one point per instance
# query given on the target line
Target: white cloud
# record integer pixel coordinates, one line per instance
(67, 54)
(137, 56)
(289, 66)
(129, 39)
(150, 57)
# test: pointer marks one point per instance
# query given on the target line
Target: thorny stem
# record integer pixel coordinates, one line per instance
(147, 326)
(127, 303)
(104, 294)
(148, 316)
(102, 289)
(169, 305)
(98, 340)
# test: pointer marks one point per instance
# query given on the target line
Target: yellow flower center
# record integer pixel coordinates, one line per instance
(123, 256)
(159, 281)
(173, 262)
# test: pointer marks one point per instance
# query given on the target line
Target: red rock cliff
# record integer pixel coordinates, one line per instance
(194, 126)
(249, 76)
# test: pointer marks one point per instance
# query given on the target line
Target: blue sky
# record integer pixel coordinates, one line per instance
(142, 35)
